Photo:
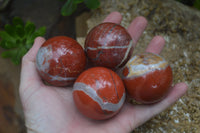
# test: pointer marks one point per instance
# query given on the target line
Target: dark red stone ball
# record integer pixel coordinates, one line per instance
(147, 77)
(99, 93)
(60, 60)
(108, 45)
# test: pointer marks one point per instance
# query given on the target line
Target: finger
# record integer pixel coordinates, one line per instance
(31, 54)
(29, 73)
(176, 92)
(156, 45)
(114, 17)
(135, 115)
(145, 112)
(137, 27)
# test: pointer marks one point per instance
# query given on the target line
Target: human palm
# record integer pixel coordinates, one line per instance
(50, 109)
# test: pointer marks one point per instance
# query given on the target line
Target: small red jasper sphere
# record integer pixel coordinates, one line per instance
(99, 93)
(108, 45)
(60, 60)
(147, 78)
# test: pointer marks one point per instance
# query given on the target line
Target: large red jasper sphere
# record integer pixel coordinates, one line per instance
(147, 78)
(108, 45)
(99, 93)
(60, 60)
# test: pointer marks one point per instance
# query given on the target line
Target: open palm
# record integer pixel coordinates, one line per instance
(51, 109)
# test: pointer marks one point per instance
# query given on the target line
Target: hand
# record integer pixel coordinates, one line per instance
(49, 109)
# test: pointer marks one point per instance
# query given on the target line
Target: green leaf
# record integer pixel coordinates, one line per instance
(8, 53)
(7, 44)
(15, 54)
(18, 38)
(197, 4)
(19, 54)
(29, 28)
(16, 60)
(20, 31)
(3, 44)
(68, 8)
(10, 29)
(6, 37)
(78, 1)
(10, 45)
(17, 21)
(92, 4)
(39, 32)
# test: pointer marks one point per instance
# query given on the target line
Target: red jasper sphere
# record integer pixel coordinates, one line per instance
(108, 45)
(147, 78)
(60, 60)
(99, 93)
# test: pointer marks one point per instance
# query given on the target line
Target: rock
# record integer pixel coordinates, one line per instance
(179, 25)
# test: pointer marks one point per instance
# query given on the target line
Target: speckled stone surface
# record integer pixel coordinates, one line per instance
(180, 26)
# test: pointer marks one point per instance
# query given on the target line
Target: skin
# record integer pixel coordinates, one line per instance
(51, 109)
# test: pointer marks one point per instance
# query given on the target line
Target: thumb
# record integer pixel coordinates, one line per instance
(29, 75)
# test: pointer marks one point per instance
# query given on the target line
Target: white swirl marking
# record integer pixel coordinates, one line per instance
(44, 54)
(126, 54)
(92, 93)
(42, 62)
(137, 66)
(108, 47)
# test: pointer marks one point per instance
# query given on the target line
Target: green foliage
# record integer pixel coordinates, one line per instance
(92, 4)
(71, 5)
(197, 4)
(18, 38)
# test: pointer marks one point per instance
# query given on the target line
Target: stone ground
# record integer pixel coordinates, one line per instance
(180, 27)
